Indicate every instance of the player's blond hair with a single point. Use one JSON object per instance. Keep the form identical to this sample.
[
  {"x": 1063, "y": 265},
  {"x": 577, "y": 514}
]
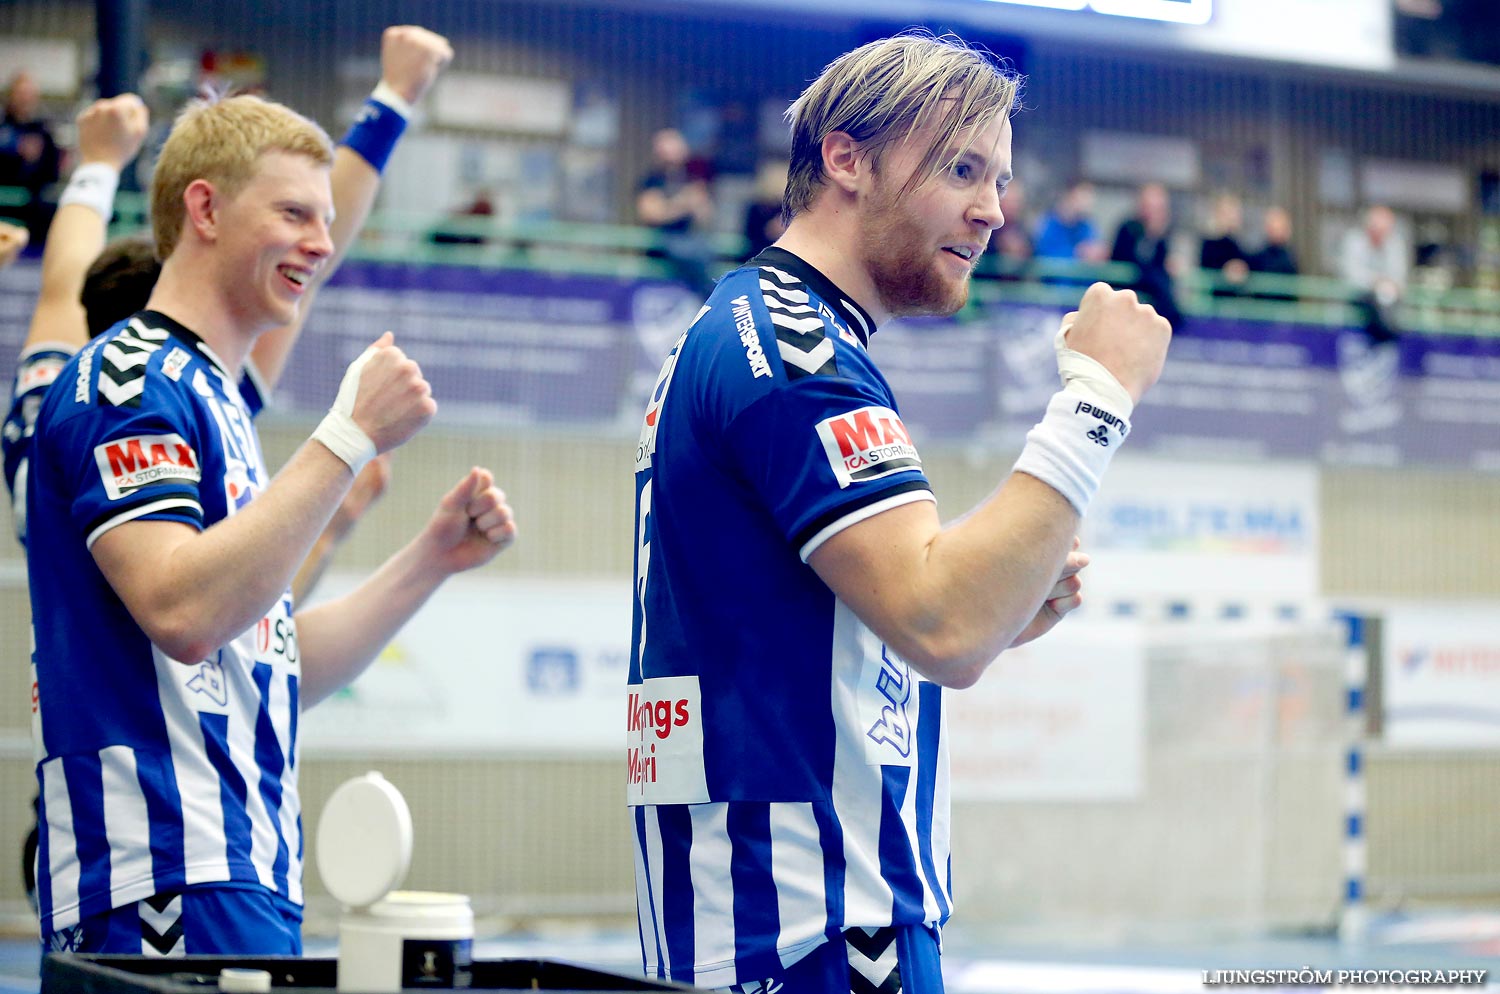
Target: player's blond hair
[
  {"x": 882, "y": 92},
  {"x": 220, "y": 140}
]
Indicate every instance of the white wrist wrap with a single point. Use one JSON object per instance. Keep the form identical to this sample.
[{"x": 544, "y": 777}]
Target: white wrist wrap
[
  {"x": 1086, "y": 376},
  {"x": 386, "y": 94},
  {"x": 93, "y": 186},
  {"x": 1071, "y": 446},
  {"x": 337, "y": 431}
]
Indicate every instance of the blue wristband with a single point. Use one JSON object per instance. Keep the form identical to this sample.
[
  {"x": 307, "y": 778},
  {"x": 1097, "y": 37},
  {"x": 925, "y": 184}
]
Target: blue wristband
[{"x": 375, "y": 132}]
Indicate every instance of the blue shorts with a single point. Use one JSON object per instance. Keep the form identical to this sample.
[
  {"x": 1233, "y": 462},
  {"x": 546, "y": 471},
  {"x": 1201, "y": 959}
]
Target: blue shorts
[
  {"x": 207, "y": 920},
  {"x": 890, "y": 960}
]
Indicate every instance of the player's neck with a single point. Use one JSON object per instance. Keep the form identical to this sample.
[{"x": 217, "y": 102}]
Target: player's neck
[
  {"x": 183, "y": 294},
  {"x": 825, "y": 239}
]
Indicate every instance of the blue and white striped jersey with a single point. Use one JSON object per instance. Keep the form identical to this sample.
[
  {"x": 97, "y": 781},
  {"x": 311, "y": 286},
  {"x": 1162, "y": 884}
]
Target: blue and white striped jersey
[
  {"x": 36, "y": 370},
  {"x": 787, "y": 773},
  {"x": 155, "y": 773}
]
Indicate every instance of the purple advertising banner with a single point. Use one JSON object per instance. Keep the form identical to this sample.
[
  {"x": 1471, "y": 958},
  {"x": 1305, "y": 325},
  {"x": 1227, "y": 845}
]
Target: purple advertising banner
[{"x": 510, "y": 348}]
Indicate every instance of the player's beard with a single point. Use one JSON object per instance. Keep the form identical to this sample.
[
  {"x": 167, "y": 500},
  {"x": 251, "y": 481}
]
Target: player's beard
[{"x": 903, "y": 265}]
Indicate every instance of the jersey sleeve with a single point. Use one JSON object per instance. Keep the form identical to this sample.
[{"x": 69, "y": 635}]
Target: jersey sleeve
[
  {"x": 824, "y": 453},
  {"x": 130, "y": 462},
  {"x": 35, "y": 373}
]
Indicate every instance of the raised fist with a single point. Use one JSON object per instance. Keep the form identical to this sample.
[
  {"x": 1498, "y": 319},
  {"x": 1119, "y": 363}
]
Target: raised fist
[
  {"x": 394, "y": 400},
  {"x": 411, "y": 58},
  {"x": 111, "y": 130},
  {"x": 1128, "y": 338}
]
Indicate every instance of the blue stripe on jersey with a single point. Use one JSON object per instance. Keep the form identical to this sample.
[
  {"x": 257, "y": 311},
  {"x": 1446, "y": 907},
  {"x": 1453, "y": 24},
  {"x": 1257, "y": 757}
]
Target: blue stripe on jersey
[
  {"x": 85, "y": 779},
  {"x": 158, "y": 779},
  {"x": 293, "y": 702},
  {"x": 757, "y": 923},
  {"x": 898, "y": 865},
  {"x": 831, "y": 841},
  {"x": 929, "y": 708},
  {"x": 293, "y": 692},
  {"x": 640, "y": 840},
  {"x": 268, "y": 757},
  {"x": 232, "y": 789},
  {"x": 677, "y": 888}
]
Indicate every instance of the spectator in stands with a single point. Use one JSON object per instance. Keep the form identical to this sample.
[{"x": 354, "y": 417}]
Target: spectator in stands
[
  {"x": 1275, "y": 256},
  {"x": 1375, "y": 261},
  {"x": 763, "y": 220},
  {"x": 1067, "y": 231},
  {"x": 29, "y": 157},
  {"x": 678, "y": 202},
  {"x": 1145, "y": 241},
  {"x": 1221, "y": 253},
  {"x": 482, "y": 204}
]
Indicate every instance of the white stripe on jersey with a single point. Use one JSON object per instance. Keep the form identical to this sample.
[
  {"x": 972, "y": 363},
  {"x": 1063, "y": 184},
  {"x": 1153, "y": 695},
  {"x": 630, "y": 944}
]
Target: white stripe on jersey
[
  {"x": 802, "y": 325},
  {"x": 204, "y": 848},
  {"x": 855, "y": 517},
  {"x": 909, "y": 806},
  {"x": 782, "y": 276},
  {"x": 123, "y": 360},
  {"x": 857, "y": 315},
  {"x": 654, "y": 859},
  {"x": 797, "y": 868},
  {"x": 187, "y": 503},
  {"x": 810, "y": 360},
  {"x": 785, "y": 293},
  {"x": 127, "y": 826},
  {"x": 713, "y": 888},
  {"x": 146, "y": 333},
  {"x": 280, "y": 708},
  {"x": 18, "y": 499},
  {"x": 242, "y": 717},
  {"x": 62, "y": 859},
  {"x": 942, "y": 810},
  {"x": 857, "y": 786},
  {"x": 648, "y": 930}
]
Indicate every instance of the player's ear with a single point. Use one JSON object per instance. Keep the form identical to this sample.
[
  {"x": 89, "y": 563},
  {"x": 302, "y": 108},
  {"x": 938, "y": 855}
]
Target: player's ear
[
  {"x": 844, "y": 162},
  {"x": 202, "y": 202}
]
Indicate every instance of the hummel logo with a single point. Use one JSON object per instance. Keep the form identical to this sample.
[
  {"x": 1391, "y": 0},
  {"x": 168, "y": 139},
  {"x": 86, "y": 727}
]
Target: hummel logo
[
  {"x": 1100, "y": 435},
  {"x": 210, "y": 682}
]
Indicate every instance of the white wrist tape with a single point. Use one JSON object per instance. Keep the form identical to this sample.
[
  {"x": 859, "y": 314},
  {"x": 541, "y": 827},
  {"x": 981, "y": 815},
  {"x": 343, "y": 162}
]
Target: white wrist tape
[
  {"x": 1071, "y": 447},
  {"x": 386, "y": 94},
  {"x": 93, "y": 186},
  {"x": 1087, "y": 377},
  {"x": 337, "y": 431}
]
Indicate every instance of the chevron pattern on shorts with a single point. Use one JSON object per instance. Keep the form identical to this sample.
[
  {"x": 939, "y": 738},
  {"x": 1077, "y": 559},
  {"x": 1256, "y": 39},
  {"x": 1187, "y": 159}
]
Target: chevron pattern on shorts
[
  {"x": 873, "y": 967},
  {"x": 161, "y": 925}
]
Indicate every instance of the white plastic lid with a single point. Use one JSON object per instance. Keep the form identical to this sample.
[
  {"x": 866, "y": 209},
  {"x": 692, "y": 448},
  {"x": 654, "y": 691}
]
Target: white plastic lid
[
  {"x": 243, "y": 981},
  {"x": 364, "y": 840}
]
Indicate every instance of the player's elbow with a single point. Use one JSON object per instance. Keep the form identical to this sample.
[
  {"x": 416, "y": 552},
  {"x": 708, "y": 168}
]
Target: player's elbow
[
  {"x": 178, "y": 637},
  {"x": 947, "y": 658}
]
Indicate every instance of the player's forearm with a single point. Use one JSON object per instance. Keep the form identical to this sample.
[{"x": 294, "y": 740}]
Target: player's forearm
[
  {"x": 218, "y": 583},
  {"x": 963, "y": 593},
  {"x": 341, "y": 638},
  {"x": 74, "y": 240},
  {"x": 355, "y": 184}
]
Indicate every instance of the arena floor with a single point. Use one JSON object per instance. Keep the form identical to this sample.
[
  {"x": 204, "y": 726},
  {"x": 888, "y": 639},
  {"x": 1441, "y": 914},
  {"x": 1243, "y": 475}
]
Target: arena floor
[{"x": 1430, "y": 941}]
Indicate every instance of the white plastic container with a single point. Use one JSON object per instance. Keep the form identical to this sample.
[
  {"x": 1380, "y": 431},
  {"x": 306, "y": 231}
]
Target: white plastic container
[
  {"x": 412, "y": 939},
  {"x": 389, "y": 940}
]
